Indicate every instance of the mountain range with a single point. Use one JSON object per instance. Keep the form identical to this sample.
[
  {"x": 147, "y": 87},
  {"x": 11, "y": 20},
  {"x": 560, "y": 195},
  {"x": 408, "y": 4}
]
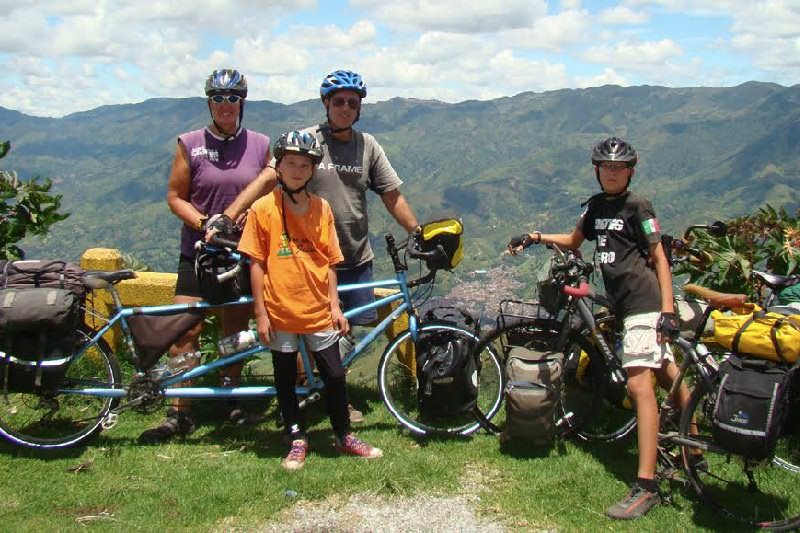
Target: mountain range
[{"x": 503, "y": 165}]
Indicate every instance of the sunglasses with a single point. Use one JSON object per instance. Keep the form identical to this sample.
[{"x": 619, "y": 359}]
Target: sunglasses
[
  {"x": 352, "y": 103},
  {"x": 221, "y": 98},
  {"x": 614, "y": 165}
]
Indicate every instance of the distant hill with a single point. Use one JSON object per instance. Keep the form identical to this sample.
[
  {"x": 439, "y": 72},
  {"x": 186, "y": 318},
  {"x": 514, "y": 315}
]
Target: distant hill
[{"x": 503, "y": 165}]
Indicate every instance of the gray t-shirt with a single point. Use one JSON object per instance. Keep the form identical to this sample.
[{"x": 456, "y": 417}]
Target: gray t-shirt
[{"x": 343, "y": 176}]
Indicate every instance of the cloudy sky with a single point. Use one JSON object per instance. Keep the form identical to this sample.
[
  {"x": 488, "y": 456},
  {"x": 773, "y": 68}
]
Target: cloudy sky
[{"x": 63, "y": 56}]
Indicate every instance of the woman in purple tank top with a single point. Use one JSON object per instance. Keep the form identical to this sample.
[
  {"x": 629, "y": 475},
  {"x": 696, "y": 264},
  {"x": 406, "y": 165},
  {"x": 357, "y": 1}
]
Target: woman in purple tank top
[{"x": 211, "y": 167}]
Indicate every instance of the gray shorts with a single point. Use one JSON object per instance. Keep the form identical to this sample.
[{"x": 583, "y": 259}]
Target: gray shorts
[
  {"x": 288, "y": 342},
  {"x": 640, "y": 344}
]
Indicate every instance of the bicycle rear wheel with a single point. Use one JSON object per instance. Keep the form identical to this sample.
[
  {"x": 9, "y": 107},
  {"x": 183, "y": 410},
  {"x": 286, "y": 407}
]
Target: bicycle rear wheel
[
  {"x": 761, "y": 494},
  {"x": 53, "y": 419},
  {"x": 398, "y": 386}
]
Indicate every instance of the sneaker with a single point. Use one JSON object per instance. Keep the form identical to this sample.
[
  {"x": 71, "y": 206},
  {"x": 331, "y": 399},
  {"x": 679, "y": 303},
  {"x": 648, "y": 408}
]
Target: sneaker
[
  {"x": 356, "y": 416},
  {"x": 297, "y": 455},
  {"x": 352, "y": 445},
  {"x": 634, "y": 505},
  {"x": 176, "y": 424}
]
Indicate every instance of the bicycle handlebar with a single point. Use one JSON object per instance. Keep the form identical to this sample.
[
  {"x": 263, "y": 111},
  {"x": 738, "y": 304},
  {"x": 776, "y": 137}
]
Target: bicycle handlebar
[{"x": 223, "y": 242}]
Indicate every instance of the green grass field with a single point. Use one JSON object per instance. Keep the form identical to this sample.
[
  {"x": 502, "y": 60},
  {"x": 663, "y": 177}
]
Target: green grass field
[{"x": 226, "y": 477}]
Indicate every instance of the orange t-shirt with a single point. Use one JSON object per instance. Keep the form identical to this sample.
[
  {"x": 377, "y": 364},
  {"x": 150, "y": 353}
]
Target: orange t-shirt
[{"x": 296, "y": 271}]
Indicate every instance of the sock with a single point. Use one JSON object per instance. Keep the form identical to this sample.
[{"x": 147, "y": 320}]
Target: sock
[{"x": 649, "y": 485}]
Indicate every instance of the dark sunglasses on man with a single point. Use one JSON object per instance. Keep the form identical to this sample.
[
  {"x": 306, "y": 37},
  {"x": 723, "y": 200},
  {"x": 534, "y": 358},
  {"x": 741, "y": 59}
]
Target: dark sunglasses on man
[{"x": 352, "y": 103}]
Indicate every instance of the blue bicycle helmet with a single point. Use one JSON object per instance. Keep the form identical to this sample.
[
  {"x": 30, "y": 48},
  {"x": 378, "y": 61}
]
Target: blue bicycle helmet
[
  {"x": 342, "y": 80},
  {"x": 228, "y": 81}
]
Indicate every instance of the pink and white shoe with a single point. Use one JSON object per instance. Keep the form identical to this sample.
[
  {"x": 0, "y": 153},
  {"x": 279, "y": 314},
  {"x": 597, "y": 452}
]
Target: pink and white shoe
[
  {"x": 297, "y": 455},
  {"x": 352, "y": 445}
]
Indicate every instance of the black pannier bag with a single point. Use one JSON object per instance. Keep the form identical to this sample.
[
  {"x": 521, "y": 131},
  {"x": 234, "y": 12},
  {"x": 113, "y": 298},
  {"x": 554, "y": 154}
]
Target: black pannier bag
[
  {"x": 154, "y": 334},
  {"x": 447, "y": 374},
  {"x": 42, "y": 273},
  {"x": 751, "y": 406},
  {"x": 37, "y": 336}
]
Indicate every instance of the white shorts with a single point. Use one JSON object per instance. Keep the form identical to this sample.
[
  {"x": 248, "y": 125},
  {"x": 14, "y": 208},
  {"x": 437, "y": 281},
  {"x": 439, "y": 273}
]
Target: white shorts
[
  {"x": 640, "y": 344},
  {"x": 288, "y": 342}
]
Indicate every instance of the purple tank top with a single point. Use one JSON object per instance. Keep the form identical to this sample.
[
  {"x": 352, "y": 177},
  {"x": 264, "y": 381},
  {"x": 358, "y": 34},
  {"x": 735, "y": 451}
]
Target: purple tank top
[{"x": 220, "y": 170}]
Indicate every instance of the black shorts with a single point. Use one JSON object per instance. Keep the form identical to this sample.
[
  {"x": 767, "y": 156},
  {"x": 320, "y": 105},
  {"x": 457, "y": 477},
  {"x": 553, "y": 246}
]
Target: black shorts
[{"x": 187, "y": 284}]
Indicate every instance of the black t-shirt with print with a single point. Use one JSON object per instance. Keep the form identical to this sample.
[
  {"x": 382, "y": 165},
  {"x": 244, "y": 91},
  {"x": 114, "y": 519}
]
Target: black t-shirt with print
[{"x": 623, "y": 227}]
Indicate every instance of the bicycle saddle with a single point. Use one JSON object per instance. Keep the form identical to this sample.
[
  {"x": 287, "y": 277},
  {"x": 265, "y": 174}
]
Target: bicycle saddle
[
  {"x": 100, "y": 279},
  {"x": 714, "y": 298},
  {"x": 775, "y": 281}
]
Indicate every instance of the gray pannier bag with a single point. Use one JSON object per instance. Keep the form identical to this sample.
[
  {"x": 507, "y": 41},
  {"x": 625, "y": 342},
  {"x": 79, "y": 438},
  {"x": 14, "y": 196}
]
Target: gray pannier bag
[
  {"x": 37, "y": 336},
  {"x": 533, "y": 389}
]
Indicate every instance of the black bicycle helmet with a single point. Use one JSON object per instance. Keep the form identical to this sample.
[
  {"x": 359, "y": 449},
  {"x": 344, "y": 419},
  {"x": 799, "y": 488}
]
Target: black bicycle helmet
[
  {"x": 226, "y": 81},
  {"x": 340, "y": 80},
  {"x": 614, "y": 149},
  {"x": 298, "y": 142}
]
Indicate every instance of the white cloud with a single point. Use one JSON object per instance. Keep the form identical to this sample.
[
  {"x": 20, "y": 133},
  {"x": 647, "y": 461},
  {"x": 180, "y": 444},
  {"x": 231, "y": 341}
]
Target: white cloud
[
  {"x": 625, "y": 54},
  {"x": 622, "y": 15},
  {"x": 456, "y": 15},
  {"x": 553, "y": 32},
  {"x": 608, "y": 77}
]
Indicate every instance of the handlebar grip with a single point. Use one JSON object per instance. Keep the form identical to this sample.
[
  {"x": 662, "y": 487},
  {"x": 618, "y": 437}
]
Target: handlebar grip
[
  {"x": 582, "y": 290},
  {"x": 416, "y": 253},
  {"x": 230, "y": 274},
  {"x": 219, "y": 240}
]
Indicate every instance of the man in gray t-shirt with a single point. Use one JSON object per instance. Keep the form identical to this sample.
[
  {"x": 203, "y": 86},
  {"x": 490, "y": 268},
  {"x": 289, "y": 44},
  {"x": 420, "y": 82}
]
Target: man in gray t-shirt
[{"x": 353, "y": 162}]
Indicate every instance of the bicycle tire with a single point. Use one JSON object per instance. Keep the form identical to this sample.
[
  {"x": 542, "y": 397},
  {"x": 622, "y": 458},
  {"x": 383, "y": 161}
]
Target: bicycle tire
[
  {"x": 397, "y": 385},
  {"x": 57, "y": 419},
  {"x": 721, "y": 480},
  {"x": 602, "y": 409}
]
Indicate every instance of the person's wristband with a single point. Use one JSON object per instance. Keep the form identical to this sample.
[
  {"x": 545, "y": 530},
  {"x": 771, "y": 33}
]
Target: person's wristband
[
  {"x": 201, "y": 222},
  {"x": 538, "y": 236}
]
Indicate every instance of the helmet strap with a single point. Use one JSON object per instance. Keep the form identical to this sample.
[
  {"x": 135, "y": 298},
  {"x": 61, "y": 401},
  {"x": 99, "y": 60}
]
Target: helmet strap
[{"x": 291, "y": 192}]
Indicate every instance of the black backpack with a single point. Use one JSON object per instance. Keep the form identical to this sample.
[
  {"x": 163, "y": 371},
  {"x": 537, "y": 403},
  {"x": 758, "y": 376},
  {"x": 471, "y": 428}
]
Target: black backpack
[
  {"x": 751, "y": 406},
  {"x": 447, "y": 374}
]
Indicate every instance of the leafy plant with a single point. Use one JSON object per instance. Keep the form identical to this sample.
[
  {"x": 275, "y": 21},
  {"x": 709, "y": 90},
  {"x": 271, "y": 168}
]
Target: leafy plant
[
  {"x": 26, "y": 208},
  {"x": 767, "y": 240}
]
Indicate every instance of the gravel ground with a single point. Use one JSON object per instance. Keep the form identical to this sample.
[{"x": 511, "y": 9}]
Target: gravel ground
[
  {"x": 363, "y": 513},
  {"x": 390, "y": 514}
]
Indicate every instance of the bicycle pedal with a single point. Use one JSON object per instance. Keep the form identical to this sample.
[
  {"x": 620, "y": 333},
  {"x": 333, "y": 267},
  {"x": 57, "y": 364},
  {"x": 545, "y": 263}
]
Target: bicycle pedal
[{"x": 109, "y": 421}]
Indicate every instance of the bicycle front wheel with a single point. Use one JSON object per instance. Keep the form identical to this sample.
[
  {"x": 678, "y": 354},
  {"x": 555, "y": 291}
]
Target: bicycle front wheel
[
  {"x": 54, "y": 418},
  {"x": 398, "y": 385},
  {"x": 763, "y": 494}
]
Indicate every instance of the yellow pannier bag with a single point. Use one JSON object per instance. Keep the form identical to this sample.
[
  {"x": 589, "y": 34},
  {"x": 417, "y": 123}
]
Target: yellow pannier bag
[
  {"x": 445, "y": 235},
  {"x": 751, "y": 330}
]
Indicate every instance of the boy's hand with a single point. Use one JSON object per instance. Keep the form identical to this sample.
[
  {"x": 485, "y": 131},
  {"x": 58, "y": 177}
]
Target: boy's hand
[
  {"x": 667, "y": 327},
  {"x": 519, "y": 243},
  {"x": 264, "y": 328},
  {"x": 340, "y": 323}
]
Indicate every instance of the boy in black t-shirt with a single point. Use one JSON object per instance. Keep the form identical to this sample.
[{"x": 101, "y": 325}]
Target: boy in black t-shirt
[{"x": 638, "y": 281}]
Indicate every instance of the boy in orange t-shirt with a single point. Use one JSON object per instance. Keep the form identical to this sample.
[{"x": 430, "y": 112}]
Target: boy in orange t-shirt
[{"x": 293, "y": 248}]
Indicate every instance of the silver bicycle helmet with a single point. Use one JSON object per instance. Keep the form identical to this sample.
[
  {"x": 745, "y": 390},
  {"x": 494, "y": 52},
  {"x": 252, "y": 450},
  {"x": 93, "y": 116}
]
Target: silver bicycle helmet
[
  {"x": 227, "y": 81},
  {"x": 298, "y": 142}
]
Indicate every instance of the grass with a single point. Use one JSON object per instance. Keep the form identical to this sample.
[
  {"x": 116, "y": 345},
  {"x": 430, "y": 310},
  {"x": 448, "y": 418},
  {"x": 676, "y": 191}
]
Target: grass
[{"x": 224, "y": 477}]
